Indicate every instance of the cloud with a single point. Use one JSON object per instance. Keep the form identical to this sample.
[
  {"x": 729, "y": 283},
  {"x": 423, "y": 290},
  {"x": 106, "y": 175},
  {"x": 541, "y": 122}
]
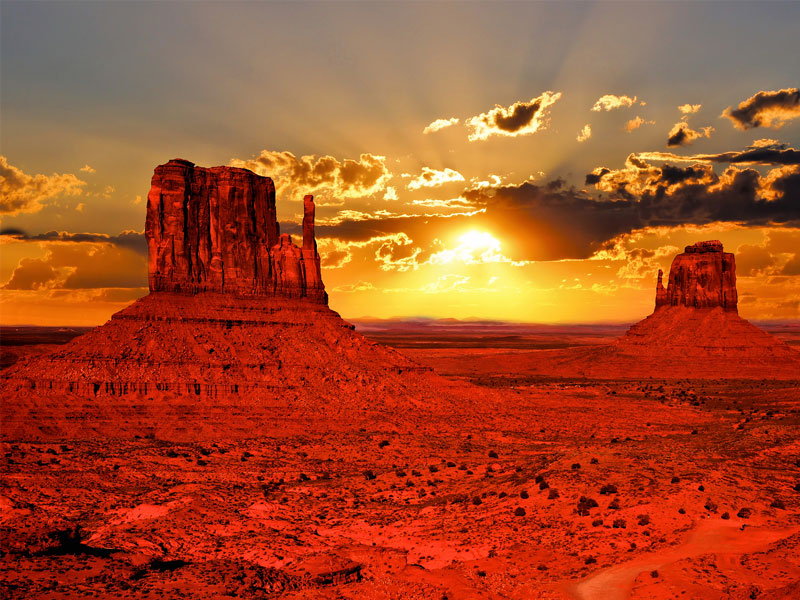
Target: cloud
[
  {"x": 683, "y": 135},
  {"x": 585, "y": 133},
  {"x": 766, "y": 109},
  {"x": 610, "y": 102},
  {"x": 689, "y": 109},
  {"x": 88, "y": 169},
  {"x": 74, "y": 266},
  {"x": 521, "y": 118},
  {"x": 433, "y": 178},
  {"x": 635, "y": 123},
  {"x": 762, "y": 152},
  {"x": 23, "y": 193},
  {"x": 313, "y": 174},
  {"x": 440, "y": 124},
  {"x": 129, "y": 239},
  {"x": 349, "y": 288}
]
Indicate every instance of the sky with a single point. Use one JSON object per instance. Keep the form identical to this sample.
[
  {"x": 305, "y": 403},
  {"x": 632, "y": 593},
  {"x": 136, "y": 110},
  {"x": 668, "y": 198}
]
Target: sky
[{"x": 533, "y": 162}]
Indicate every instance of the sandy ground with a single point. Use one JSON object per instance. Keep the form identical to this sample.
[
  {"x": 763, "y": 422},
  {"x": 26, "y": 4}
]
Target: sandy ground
[{"x": 534, "y": 489}]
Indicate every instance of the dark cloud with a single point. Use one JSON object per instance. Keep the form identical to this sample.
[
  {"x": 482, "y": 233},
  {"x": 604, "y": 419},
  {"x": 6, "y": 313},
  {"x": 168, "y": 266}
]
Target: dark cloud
[
  {"x": 132, "y": 240},
  {"x": 765, "y": 152},
  {"x": 520, "y": 115},
  {"x": 521, "y": 118},
  {"x": 683, "y": 135},
  {"x": 766, "y": 109}
]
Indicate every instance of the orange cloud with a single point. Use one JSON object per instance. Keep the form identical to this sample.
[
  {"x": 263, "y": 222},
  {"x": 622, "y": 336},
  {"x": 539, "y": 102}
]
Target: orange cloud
[
  {"x": 312, "y": 174},
  {"x": 766, "y": 109},
  {"x": 433, "y": 178},
  {"x": 611, "y": 101},
  {"x": 689, "y": 109},
  {"x": 635, "y": 123},
  {"x": 683, "y": 135},
  {"x": 585, "y": 133},
  {"x": 440, "y": 124},
  {"x": 23, "y": 193},
  {"x": 521, "y": 118}
]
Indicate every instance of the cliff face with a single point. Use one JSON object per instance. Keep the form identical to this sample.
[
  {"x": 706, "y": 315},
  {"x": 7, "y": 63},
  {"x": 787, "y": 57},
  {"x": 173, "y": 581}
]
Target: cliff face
[
  {"x": 702, "y": 277},
  {"x": 215, "y": 230}
]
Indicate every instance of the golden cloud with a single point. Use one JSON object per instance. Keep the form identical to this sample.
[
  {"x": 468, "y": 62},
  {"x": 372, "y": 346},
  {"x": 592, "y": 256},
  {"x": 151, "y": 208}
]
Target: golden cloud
[
  {"x": 635, "y": 123},
  {"x": 611, "y": 101},
  {"x": 683, "y": 135},
  {"x": 434, "y": 178},
  {"x": 23, "y": 193},
  {"x": 314, "y": 174},
  {"x": 440, "y": 124},
  {"x": 585, "y": 133},
  {"x": 766, "y": 109},
  {"x": 521, "y": 118}
]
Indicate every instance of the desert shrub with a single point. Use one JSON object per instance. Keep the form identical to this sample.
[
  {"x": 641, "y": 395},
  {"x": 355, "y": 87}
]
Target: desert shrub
[
  {"x": 524, "y": 494},
  {"x": 519, "y": 512},
  {"x": 653, "y": 574},
  {"x": 597, "y": 522},
  {"x": 451, "y": 464},
  {"x": 778, "y": 503},
  {"x": 538, "y": 479},
  {"x": 502, "y": 495},
  {"x": 701, "y": 488},
  {"x": 433, "y": 468},
  {"x": 682, "y": 511},
  {"x": 710, "y": 505},
  {"x": 594, "y": 461},
  {"x": 644, "y": 520},
  {"x": 614, "y": 504},
  {"x": 675, "y": 480},
  {"x": 400, "y": 473},
  {"x": 553, "y": 494},
  {"x": 585, "y": 505},
  {"x": 607, "y": 489},
  {"x": 369, "y": 475},
  {"x": 383, "y": 443},
  {"x": 492, "y": 454},
  {"x": 476, "y": 500},
  {"x": 543, "y": 485},
  {"x": 619, "y": 524},
  {"x": 576, "y": 466},
  {"x": 745, "y": 513},
  {"x": 415, "y": 473},
  {"x": 590, "y": 560},
  {"x": 304, "y": 477},
  {"x": 725, "y": 516}
]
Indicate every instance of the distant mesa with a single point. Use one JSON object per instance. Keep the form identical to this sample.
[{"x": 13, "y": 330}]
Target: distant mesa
[{"x": 215, "y": 230}]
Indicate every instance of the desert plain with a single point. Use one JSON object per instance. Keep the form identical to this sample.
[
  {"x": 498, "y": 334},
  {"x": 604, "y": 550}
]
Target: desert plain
[{"x": 503, "y": 484}]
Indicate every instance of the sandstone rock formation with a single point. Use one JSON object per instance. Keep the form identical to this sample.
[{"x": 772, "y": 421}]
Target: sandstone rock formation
[
  {"x": 702, "y": 277},
  {"x": 695, "y": 331},
  {"x": 237, "y": 316},
  {"x": 215, "y": 230}
]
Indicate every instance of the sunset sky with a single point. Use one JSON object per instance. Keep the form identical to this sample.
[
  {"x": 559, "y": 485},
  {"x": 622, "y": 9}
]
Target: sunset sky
[{"x": 525, "y": 161}]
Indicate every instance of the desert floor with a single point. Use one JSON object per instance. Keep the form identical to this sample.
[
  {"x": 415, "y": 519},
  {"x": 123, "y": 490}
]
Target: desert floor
[{"x": 539, "y": 488}]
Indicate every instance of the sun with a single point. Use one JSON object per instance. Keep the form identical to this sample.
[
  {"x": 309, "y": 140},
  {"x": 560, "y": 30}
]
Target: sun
[{"x": 475, "y": 241}]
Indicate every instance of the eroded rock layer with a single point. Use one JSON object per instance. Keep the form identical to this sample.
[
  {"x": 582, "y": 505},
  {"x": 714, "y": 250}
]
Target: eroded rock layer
[{"x": 215, "y": 230}]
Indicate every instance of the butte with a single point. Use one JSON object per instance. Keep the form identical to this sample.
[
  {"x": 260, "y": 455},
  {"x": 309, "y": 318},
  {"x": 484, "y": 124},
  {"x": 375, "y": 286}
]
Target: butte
[
  {"x": 235, "y": 335},
  {"x": 695, "y": 331}
]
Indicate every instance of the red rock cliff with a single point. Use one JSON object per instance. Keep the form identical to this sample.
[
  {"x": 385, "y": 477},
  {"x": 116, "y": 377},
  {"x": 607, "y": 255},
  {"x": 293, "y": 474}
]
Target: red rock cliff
[
  {"x": 702, "y": 277},
  {"x": 215, "y": 230}
]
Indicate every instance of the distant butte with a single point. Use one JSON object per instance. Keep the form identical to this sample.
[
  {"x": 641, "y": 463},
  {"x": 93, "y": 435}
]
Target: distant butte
[
  {"x": 702, "y": 277},
  {"x": 695, "y": 331}
]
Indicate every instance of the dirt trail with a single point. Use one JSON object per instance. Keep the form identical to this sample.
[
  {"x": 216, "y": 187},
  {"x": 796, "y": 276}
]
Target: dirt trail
[{"x": 709, "y": 536}]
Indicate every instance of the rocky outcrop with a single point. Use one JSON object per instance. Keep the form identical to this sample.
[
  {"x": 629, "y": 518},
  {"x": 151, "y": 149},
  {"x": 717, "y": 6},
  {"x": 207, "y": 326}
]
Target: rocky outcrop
[
  {"x": 704, "y": 276},
  {"x": 215, "y": 230}
]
